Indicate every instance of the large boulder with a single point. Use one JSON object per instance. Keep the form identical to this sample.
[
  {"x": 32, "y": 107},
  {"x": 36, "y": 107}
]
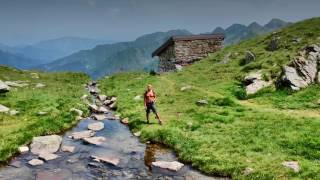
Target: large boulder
[
  {"x": 249, "y": 57},
  {"x": 254, "y": 83},
  {"x": 45, "y": 144},
  {"x": 302, "y": 71},
  {"x": 4, "y": 87}
]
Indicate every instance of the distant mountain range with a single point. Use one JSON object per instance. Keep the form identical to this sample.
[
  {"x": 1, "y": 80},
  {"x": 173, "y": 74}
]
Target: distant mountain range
[
  {"x": 108, "y": 59},
  {"x": 75, "y": 54},
  {"x": 238, "y": 32},
  {"x": 49, "y": 50}
]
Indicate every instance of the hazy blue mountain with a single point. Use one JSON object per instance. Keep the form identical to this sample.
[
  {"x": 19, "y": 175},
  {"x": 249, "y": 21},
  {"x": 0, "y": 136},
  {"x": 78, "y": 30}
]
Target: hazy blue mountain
[
  {"x": 9, "y": 59},
  {"x": 239, "y": 32},
  {"x": 111, "y": 58},
  {"x": 50, "y": 50}
]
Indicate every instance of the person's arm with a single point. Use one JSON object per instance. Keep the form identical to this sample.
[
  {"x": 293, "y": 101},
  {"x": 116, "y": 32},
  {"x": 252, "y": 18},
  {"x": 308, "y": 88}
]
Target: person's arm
[
  {"x": 155, "y": 96},
  {"x": 145, "y": 100}
]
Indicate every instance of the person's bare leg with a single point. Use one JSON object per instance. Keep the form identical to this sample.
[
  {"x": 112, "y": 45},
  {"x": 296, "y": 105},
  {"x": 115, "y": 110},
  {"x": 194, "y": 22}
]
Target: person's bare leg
[
  {"x": 158, "y": 117},
  {"x": 147, "y": 115}
]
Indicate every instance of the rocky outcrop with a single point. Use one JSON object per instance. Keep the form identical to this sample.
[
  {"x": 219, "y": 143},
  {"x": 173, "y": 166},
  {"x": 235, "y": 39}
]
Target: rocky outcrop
[
  {"x": 254, "y": 83},
  {"x": 45, "y": 144},
  {"x": 249, "y": 57},
  {"x": 4, "y": 87},
  {"x": 302, "y": 71}
]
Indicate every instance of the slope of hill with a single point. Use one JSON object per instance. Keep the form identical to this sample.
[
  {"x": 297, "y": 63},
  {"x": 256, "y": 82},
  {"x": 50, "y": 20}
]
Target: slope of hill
[
  {"x": 238, "y": 32},
  {"x": 17, "y": 61},
  {"x": 242, "y": 139},
  {"x": 53, "y": 49},
  {"x": 62, "y": 91},
  {"x": 108, "y": 59}
]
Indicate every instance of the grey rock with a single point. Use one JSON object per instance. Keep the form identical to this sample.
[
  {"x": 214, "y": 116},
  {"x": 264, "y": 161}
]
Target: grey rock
[
  {"x": 249, "y": 57},
  {"x": 294, "y": 165},
  {"x": 79, "y": 112},
  {"x": 16, "y": 164},
  {"x": 66, "y": 148},
  {"x": 47, "y": 156},
  {"x": 137, "y": 98},
  {"x": 94, "y": 140},
  {"x": 23, "y": 149},
  {"x": 173, "y": 166},
  {"x": 42, "y": 113},
  {"x": 106, "y": 159},
  {"x": 102, "y": 97},
  {"x": 34, "y": 75},
  {"x": 273, "y": 44},
  {"x": 45, "y": 144},
  {"x": 82, "y": 134},
  {"x": 13, "y": 112},
  {"x": 96, "y": 126},
  {"x": 40, "y": 85},
  {"x": 35, "y": 162},
  {"x": 4, "y": 109},
  {"x": 202, "y": 102},
  {"x": 99, "y": 117},
  {"x": 4, "y": 87},
  {"x": 185, "y": 88},
  {"x": 125, "y": 121},
  {"x": 254, "y": 82},
  {"x": 15, "y": 84},
  {"x": 248, "y": 171}
]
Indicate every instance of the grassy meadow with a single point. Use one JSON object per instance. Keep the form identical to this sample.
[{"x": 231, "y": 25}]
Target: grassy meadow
[
  {"x": 61, "y": 93},
  {"x": 233, "y": 132}
]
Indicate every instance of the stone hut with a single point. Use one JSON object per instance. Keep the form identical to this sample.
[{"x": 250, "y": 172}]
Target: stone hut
[{"x": 179, "y": 51}]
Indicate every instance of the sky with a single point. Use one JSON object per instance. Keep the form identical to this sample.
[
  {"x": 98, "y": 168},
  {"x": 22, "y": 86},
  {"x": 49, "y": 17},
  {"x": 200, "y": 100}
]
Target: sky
[{"x": 30, "y": 21}]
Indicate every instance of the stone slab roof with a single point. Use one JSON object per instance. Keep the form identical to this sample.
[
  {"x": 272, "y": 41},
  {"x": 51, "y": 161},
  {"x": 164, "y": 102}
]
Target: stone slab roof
[{"x": 173, "y": 39}]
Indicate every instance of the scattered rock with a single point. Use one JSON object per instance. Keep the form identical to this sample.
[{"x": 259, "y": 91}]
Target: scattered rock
[
  {"x": 95, "y": 140},
  {"x": 23, "y": 149},
  {"x": 79, "y": 112},
  {"x": 185, "y": 88},
  {"x": 294, "y": 165},
  {"x": 125, "y": 121},
  {"x": 47, "y": 156},
  {"x": 273, "y": 44},
  {"x": 137, "y": 98},
  {"x": 248, "y": 171},
  {"x": 4, "y": 87},
  {"x": 113, "y": 99},
  {"x": 99, "y": 117},
  {"x": 13, "y": 112},
  {"x": 16, "y": 164},
  {"x": 40, "y": 85},
  {"x": 254, "y": 83},
  {"x": 35, "y": 162},
  {"x": 202, "y": 102},
  {"x": 226, "y": 58},
  {"x": 82, "y": 134},
  {"x": 113, "y": 106},
  {"x": 95, "y": 109},
  {"x": 42, "y": 113},
  {"x": 107, "y": 102},
  {"x": 34, "y": 75},
  {"x": 106, "y": 159},
  {"x": 249, "y": 57},
  {"x": 4, "y": 109},
  {"x": 96, "y": 126},
  {"x": 173, "y": 166},
  {"x": 137, "y": 134},
  {"x": 15, "y": 84},
  {"x": 45, "y": 144},
  {"x": 70, "y": 149},
  {"x": 102, "y": 97}
]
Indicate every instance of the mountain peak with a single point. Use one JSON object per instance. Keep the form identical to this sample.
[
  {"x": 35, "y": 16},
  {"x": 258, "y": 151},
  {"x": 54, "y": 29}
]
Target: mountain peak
[{"x": 276, "y": 23}]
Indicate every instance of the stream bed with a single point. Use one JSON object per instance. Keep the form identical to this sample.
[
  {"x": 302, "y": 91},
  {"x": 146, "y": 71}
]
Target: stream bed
[{"x": 135, "y": 159}]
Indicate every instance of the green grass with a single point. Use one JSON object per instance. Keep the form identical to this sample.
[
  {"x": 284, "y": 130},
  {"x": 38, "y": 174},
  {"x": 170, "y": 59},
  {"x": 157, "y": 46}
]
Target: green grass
[
  {"x": 62, "y": 92},
  {"x": 230, "y": 134}
]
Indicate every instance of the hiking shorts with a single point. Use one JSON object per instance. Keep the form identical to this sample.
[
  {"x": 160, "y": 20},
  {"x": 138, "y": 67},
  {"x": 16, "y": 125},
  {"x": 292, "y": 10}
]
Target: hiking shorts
[{"x": 151, "y": 107}]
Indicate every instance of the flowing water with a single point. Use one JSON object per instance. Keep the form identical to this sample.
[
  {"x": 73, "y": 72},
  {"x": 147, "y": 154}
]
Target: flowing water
[{"x": 135, "y": 159}]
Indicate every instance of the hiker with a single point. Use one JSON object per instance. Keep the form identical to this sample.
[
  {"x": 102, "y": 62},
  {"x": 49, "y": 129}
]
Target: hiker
[{"x": 149, "y": 103}]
